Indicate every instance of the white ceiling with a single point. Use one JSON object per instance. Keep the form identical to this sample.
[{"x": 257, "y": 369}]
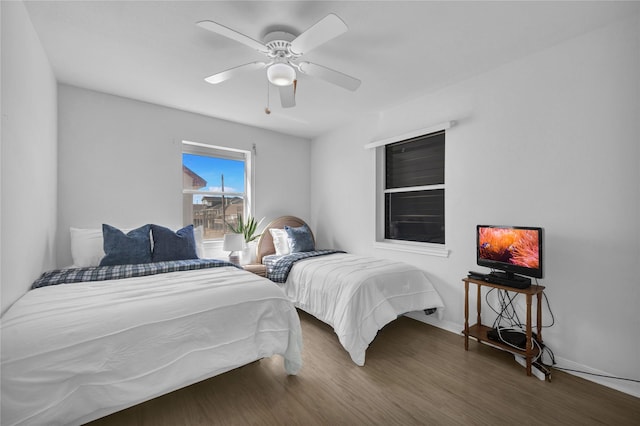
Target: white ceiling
[{"x": 153, "y": 51}]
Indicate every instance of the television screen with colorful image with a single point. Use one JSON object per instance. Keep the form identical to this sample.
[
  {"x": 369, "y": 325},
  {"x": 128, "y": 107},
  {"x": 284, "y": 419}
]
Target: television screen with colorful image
[{"x": 513, "y": 249}]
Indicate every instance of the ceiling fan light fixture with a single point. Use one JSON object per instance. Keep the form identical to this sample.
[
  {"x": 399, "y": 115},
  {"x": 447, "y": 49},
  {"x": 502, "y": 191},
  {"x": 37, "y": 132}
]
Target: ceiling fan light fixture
[{"x": 281, "y": 74}]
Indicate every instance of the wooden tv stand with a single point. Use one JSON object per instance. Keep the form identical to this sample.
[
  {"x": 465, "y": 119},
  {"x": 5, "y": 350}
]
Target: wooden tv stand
[{"x": 479, "y": 331}]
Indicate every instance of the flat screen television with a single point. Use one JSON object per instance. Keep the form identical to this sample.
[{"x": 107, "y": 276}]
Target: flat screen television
[{"x": 510, "y": 251}]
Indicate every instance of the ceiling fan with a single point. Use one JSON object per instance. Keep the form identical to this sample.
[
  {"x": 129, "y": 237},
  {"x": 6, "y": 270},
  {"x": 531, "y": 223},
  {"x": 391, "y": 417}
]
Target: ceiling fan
[{"x": 283, "y": 51}]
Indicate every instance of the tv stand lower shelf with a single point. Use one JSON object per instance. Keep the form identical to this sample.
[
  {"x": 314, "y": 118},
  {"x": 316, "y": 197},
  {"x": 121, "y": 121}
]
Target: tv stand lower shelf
[{"x": 480, "y": 332}]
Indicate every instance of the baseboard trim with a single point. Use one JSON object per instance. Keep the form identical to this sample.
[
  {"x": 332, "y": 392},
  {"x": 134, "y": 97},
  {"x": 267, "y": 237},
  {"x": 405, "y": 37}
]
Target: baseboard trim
[
  {"x": 631, "y": 388},
  {"x": 434, "y": 321}
]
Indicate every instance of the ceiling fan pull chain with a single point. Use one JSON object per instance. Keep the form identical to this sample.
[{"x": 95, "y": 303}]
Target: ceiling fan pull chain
[{"x": 267, "y": 110}]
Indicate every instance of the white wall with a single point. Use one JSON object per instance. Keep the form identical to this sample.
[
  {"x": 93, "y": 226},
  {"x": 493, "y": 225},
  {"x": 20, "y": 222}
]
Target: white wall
[
  {"x": 552, "y": 141},
  {"x": 120, "y": 163},
  {"x": 29, "y": 157}
]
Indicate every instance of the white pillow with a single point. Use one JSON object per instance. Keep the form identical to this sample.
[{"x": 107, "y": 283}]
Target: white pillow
[
  {"x": 198, "y": 235},
  {"x": 86, "y": 247},
  {"x": 280, "y": 241}
]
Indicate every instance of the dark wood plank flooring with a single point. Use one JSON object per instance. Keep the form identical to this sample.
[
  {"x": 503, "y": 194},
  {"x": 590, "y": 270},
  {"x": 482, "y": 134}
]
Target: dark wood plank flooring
[{"x": 415, "y": 374}]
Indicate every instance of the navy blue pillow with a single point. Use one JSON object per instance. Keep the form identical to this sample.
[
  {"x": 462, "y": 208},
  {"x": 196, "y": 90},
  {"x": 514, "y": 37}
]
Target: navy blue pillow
[
  {"x": 126, "y": 249},
  {"x": 169, "y": 245},
  {"x": 300, "y": 239}
]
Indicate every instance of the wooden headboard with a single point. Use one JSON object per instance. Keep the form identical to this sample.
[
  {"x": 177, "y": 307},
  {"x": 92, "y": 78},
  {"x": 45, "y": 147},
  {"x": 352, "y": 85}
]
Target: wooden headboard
[{"x": 265, "y": 242}]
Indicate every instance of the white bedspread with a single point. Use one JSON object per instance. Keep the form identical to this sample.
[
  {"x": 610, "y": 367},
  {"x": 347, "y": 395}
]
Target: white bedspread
[
  {"x": 358, "y": 296},
  {"x": 72, "y": 353}
]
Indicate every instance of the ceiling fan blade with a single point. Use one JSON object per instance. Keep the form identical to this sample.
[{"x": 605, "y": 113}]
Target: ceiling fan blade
[
  {"x": 233, "y": 35},
  {"x": 288, "y": 95},
  {"x": 332, "y": 76},
  {"x": 232, "y": 72},
  {"x": 321, "y": 32}
]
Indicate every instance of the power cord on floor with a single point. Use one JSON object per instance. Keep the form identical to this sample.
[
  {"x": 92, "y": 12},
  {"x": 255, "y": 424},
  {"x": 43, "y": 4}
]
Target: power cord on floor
[
  {"x": 546, "y": 350},
  {"x": 507, "y": 320},
  {"x": 595, "y": 374}
]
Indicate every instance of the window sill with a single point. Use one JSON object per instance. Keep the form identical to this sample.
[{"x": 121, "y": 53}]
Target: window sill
[
  {"x": 428, "y": 249},
  {"x": 212, "y": 249}
]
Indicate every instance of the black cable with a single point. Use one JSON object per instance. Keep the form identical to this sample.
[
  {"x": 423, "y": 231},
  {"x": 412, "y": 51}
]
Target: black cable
[
  {"x": 501, "y": 305},
  {"x": 513, "y": 317},
  {"x": 546, "y": 299},
  {"x": 595, "y": 374},
  {"x": 547, "y": 350},
  {"x": 486, "y": 299},
  {"x": 508, "y": 312},
  {"x": 514, "y": 314},
  {"x": 551, "y": 356}
]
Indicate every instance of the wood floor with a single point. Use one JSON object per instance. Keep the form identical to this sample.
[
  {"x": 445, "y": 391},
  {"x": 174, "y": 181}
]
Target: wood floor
[{"x": 415, "y": 374}]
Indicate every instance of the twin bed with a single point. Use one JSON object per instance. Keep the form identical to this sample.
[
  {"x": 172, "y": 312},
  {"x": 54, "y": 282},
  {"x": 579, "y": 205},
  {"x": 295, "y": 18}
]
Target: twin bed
[
  {"x": 72, "y": 353},
  {"x": 355, "y": 295}
]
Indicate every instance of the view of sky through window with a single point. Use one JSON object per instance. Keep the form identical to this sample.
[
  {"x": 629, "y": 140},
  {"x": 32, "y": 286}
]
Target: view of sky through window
[{"x": 211, "y": 169}]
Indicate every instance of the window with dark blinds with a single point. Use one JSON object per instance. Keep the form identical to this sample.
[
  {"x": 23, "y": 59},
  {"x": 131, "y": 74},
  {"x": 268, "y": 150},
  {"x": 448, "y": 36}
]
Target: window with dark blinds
[{"x": 414, "y": 189}]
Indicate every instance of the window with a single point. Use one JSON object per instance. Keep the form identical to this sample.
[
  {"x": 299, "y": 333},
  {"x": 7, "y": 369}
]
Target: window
[
  {"x": 215, "y": 187},
  {"x": 414, "y": 189},
  {"x": 410, "y": 191}
]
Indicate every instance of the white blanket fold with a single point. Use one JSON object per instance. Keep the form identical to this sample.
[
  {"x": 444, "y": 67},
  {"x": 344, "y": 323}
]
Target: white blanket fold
[{"x": 358, "y": 295}]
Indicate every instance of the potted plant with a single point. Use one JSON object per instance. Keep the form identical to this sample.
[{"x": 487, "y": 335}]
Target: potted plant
[{"x": 248, "y": 228}]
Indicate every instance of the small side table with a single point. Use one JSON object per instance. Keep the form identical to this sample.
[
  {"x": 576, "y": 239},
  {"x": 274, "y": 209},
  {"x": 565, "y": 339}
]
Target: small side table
[
  {"x": 256, "y": 268},
  {"x": 479, "y": 331}
]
